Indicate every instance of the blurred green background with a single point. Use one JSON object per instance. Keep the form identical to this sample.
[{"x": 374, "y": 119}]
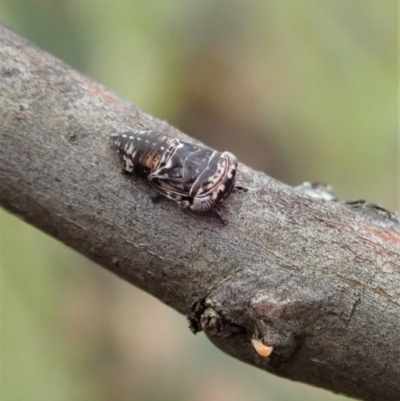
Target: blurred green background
[{"x": 304, "y": 90}]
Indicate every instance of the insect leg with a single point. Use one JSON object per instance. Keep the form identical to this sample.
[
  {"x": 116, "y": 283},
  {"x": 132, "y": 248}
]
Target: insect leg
[
  {"x": 181, "y": 200},
  {"x": 218, "y": 212},
  {"x": 157, "y": 198}
]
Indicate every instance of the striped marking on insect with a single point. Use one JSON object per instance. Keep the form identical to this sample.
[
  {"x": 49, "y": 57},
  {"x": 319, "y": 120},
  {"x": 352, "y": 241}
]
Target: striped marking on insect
[{"x": 193, "y": 176}]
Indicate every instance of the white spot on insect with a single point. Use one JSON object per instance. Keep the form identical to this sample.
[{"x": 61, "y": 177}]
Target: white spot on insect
[
  {"x": 261, "y": 349},
  {"x": 162, "y": 148},
  {"x": 130, "y": 149},
  {"x": 146, "y": 140},
  {"x": 138, "y": 139},
  {"x": 124, "y": 135},
  {"x": 129, "y": 165},
  {"x": 131, "y": 137},
  {"x": 183, "y": 203}
]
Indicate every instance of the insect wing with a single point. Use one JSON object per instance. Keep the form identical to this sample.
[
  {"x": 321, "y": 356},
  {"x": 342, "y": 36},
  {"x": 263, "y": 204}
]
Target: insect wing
[{"x": 179, "y": 170}]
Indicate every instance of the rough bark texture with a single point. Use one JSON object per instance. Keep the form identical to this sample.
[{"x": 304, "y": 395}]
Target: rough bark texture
[{"x": 317, "y": 280}]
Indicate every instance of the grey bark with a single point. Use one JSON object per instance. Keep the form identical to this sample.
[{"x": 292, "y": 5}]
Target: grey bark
[{"x": 317, "y": 280}]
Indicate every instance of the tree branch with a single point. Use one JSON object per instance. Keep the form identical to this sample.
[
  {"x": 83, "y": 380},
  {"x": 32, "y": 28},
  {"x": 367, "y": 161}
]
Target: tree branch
[{"x": 318, "y": 281}]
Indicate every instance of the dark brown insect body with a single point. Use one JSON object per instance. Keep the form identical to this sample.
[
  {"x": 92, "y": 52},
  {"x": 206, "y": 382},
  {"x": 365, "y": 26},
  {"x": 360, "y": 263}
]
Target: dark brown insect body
[{"x": 193, "y": 176}]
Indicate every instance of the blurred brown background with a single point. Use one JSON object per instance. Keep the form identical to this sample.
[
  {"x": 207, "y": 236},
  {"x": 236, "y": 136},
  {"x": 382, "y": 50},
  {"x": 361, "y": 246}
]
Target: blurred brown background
[{"x": 303, "y": 90}]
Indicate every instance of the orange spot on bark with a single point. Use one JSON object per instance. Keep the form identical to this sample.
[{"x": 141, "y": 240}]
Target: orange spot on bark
[
  {"x": 387, "y": 236},
  {"x": 261, "y": 349}
]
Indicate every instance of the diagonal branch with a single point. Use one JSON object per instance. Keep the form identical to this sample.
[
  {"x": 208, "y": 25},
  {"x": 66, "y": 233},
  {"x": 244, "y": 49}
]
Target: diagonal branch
[{"x": 318, "y": 281}]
